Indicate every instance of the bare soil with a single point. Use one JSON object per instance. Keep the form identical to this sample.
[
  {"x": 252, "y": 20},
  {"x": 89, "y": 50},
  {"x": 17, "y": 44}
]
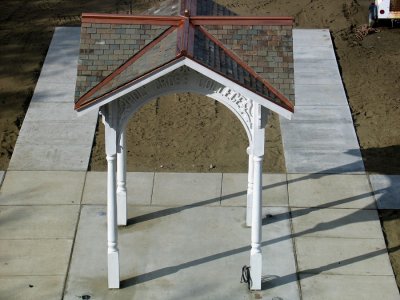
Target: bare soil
[{"x": 191, "y": 133}]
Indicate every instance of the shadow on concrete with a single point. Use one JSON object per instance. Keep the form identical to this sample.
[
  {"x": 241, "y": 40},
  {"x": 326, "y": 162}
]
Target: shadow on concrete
[
  {"x": 268, "y": 282},
  {"x": 271, "y": 281},
  {"x": 274, "y": 280}
]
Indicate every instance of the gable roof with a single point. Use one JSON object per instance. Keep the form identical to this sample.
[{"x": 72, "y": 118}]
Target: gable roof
[{"x": 117, "y": 50}]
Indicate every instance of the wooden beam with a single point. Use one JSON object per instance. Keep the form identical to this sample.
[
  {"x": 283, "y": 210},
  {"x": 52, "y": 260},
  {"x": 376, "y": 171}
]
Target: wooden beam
[
  {"x": 215, "y": 20},
  {"x": 130, "y": 19}
]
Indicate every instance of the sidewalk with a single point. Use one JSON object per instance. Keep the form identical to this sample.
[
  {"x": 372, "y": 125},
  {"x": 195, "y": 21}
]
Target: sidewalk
[{"x": 186, "y": 234}]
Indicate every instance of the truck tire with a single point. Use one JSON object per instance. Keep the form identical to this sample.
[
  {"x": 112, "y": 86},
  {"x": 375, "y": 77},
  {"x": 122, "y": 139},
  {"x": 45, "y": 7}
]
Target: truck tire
[
  {"x": 371, "y": 20},
  {"x": 372, "y": 15}
]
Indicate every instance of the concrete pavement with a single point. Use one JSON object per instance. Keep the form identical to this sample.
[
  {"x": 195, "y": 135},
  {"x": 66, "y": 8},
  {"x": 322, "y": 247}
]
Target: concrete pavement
[
  {"x": 194, "y": 247},
  {"x": 52, "y": 137},
  {"x": 321, "y": 137}
]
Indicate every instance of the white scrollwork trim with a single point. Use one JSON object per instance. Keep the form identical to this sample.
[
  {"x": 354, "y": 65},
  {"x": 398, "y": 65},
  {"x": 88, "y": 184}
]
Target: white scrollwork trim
[{"x": 185, "y": 79}]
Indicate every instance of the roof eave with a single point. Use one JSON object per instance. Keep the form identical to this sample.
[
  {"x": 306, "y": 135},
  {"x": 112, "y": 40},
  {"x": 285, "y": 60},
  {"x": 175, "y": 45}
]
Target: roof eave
[
  {"x": 130, "y": 86},
  {"x": 285, "y": 112}
]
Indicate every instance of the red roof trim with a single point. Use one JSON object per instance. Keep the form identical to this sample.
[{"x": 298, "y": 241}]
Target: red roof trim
[
  {"x": 175, "y": 21},
  {"x": 217, "y": 20},
  {"x": 129, "y": 19},
  {"x": 119, "y": 70},
  {"x": 248, "y": 69}
]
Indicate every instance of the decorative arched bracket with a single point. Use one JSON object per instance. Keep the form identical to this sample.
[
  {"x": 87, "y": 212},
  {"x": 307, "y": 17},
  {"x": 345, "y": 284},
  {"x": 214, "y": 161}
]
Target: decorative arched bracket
[{"x": 185, "y": 79}]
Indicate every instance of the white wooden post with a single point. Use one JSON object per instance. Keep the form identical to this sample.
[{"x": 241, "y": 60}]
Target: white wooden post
[
  {"x": 258, "y": 132},
  {"x": 250, "y": 181},
  {"x": 256, "y": 236},
  {"x": 121, "y": 180},
  {"x": 109, "y": 120}
]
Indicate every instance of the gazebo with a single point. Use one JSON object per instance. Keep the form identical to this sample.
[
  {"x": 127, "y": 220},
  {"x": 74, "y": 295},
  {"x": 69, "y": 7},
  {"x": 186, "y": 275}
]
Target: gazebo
[{"x": 125, "y": 61}]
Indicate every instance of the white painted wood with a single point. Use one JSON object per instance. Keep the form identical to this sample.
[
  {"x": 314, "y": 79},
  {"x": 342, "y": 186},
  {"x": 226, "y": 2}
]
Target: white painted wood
[
  {"x": 259, "y": 122},
  {"x": 109, "y": 119},
  {"x": 250, "y": 181},
  {"x": 184, "y": 75},
  {"x": 121, "y": 181},
  {"x": 255, "y": 253},
  {"x": 185, "y": 79},
  {"x": 112, "y": 234},
  {"x": 257, "y": 153}
]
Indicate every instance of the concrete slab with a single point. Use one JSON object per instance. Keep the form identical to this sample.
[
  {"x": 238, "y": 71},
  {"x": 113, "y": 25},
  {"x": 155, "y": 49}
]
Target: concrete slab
[
  {"x": 319, "y": 135},
  {"x": 342, "y": 256},
  {"x": 312, "y": 37},
  {"x": 139, "y": 188},
  {"x": 386, "y": 189},
  {"x": 307, "y": 53},
  {"x": 53, "y": 137},
  {"x": 320, "y": 67},
  {"x": 54, "y": 92},
  {"x": 343, "y": 287},
  {"x": 44, "y": 112},
  {"x": 340, "y": 223},
  {"x": 187, "y": 189},
  {"x": 167, "y": 249},
  {"x": 334, "y": 191},
  {"x": 338, "y": 161},
  {"x": 58, "y": 54},
  {"x": 2, "y": 174},
  {"x": 64, "y": 48},
  {"x": 234, "y": 190},
  {"x": 60, "y": 64},
  {"x": 319, "y": 76},
  {"x": 57, "y": 71},
  {"x": 31, "y": 287},
  {"x": 35, "y": 222},
  {"x": 65, "y": 37},
  {"x": 35, "y": 257},
  {"x": 42, "y": 188},
  {"x": 320, "y": 95},
  {"x": 28, "y": 157},
  {"x": 56, "y": 133},
  {"x": 321, "y": 114}
]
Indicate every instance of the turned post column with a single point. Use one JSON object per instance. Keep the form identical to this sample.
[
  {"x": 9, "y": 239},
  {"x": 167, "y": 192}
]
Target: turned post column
[
  {"x": 250, "y": 181},
  {"x": 109, "y": 120},
  {"x": 121, "y": 180},
  {"x": 256, "y": 224},
  {"x": 257, "y": 152}
]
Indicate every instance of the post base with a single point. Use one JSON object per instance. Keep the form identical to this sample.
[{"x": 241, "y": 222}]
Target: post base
[
  {"x": 113, "y": 270},
  {"x": 255, "y": 271},
  {"x": 122, "y": 214}
]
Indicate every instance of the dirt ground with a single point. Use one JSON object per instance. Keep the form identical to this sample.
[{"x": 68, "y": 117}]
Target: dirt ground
[{"x": 189, "y": 133}]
